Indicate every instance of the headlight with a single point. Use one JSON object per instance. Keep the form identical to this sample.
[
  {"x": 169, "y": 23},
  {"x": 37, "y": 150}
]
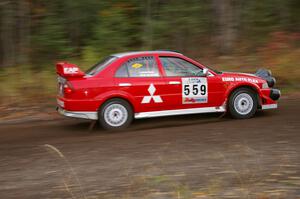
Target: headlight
[{"x": 265, "y": 85}]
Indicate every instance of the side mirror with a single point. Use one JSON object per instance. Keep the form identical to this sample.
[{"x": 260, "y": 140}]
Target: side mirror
[{"x": 205, "y": 72}]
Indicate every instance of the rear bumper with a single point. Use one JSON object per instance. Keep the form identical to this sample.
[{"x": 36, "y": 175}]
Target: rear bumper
[
  {"x": 85, "y": 109},
  {"x": 78, "y": 114},
  {"x": 76, "y": 105}
]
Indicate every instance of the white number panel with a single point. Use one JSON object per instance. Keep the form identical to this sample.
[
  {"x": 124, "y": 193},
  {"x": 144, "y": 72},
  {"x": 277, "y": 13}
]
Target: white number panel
[{"x": 194, "y": 90}]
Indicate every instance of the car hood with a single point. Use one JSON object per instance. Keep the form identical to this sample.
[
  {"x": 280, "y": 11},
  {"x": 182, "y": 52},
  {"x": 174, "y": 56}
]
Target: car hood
[
  {"x": 241, "y": 77},
  {"x": 238, "y": 74},
  {"x": 261, "y": 76}
]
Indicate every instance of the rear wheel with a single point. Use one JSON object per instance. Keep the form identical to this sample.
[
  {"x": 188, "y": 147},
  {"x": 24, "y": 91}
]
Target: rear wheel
[
  {"x": 243, "y": 103},
  {"x": 115, "y": 114}
]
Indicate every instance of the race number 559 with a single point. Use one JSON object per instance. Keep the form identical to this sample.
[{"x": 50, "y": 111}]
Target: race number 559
[{"x": 194, "y": 90}]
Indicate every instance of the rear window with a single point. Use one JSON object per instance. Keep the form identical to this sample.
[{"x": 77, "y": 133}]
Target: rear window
[
  {"x": 139, "y": 67},
  {"x": 100, "y": 65}
]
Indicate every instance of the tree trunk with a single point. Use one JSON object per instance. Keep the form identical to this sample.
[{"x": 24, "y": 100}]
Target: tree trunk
[
  {"x": 8, "y": 47},
  {"x": 226, "y": 21},
  {"x": 23, "y": 30}
]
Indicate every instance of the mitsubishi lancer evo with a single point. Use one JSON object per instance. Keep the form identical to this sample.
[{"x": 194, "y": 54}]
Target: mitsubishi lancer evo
[{"x": 145, "y": 84}]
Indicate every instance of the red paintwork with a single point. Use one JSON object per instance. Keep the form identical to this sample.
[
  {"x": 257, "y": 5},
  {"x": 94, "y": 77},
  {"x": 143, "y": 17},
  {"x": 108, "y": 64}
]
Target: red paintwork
[{"x": 89, "y": 93}]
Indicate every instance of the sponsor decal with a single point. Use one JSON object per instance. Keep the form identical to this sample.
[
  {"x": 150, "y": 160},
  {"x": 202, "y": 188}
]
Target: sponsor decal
[
  {"x": 147, "y": 73},
  {"x": 136, "y": 65},
  {"x": 194, "y": 90},
  {"x": 156, "y": 98},
  {"x": 72, "y": 70},
  {"x": 239, "y": 79}
]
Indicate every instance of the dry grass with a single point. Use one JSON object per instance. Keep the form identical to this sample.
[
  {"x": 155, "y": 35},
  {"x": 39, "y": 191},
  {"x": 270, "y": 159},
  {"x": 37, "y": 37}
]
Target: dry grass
[
  {"x": 154, "y": 183},
  {"x": 71, "y": 181}
]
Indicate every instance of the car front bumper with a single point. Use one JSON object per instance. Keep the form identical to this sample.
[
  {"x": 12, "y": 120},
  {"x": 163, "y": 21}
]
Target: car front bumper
[
  {"x": 269, "y": 98},
  {"x": 269, "y": 106},
  {"x": 275, "y": 94}
]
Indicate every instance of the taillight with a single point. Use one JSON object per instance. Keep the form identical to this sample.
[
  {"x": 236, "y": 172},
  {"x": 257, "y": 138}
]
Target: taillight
[{"x": 68, "y": 88}]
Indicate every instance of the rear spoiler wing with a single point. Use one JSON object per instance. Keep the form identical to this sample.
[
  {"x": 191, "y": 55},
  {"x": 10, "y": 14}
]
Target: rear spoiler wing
[{"x": 68, "y": 70}]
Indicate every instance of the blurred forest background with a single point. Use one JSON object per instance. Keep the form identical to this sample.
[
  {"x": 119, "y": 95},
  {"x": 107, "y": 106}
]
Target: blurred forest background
[{"x": 235, "y": 35}]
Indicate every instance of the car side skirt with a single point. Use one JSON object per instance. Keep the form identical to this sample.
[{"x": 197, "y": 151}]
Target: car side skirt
[
  {"x": 94, "y": 115},
  {"x": 179, "y": 112}
]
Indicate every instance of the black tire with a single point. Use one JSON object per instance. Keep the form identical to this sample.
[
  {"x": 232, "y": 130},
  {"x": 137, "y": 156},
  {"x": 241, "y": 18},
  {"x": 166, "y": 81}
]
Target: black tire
[
  {"x": 107, "y": 108},
  {"x": 236, "y": 106}
]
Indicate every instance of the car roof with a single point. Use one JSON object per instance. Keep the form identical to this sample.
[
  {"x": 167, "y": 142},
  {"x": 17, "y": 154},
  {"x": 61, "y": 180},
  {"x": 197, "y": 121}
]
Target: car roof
[{"x": 124, "y": 54}]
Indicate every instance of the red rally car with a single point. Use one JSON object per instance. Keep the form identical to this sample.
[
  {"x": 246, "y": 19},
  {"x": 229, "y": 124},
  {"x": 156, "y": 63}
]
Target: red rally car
[{"x": 147, "y": 84}]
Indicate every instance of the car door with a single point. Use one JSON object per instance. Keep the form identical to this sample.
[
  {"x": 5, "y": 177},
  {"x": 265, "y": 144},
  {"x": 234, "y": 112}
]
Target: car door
[
  {"x": 141, "y": 78},
  {"x": 187, "y": 87}
]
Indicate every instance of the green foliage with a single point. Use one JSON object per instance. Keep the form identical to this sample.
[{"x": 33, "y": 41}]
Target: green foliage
[
  {"x": 174, "y": 25},
  {"x": 112, "y": 32},
  {"x": 75, "y": 28},
  {"x": 50, "y": 39}
]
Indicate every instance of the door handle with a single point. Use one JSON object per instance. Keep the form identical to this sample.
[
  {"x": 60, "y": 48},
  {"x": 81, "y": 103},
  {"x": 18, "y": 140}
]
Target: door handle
[
  {"x": 174, "y": 82},
  {"x": 124, "y": 84}
]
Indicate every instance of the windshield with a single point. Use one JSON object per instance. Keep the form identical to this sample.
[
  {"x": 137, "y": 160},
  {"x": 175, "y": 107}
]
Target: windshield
[
  {"x": 216, "y": 71},
  {"x": 212, "y": 69},
  {"x": 100, "y": 65}
]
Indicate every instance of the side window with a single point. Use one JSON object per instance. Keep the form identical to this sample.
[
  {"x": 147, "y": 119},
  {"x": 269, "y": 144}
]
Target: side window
[
  {"x": 139, "y": 67},
  {"x": 177, "y": 67},
  {"x": 122, "y": 71}
]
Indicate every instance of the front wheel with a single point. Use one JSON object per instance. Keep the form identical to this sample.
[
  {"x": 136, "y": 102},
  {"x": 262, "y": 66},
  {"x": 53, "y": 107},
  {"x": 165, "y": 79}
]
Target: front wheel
[
  {"x": 243, "y": 103},
  {"x": 115, "y": 114}
]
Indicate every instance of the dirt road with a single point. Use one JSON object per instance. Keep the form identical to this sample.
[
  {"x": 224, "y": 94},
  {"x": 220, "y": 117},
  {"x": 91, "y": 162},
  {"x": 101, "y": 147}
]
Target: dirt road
[{"x": 197, "y": 156}]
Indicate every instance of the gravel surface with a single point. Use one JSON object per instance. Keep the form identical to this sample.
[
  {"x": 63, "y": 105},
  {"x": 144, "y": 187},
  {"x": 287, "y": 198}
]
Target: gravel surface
[{"x": 195, "y": 156}]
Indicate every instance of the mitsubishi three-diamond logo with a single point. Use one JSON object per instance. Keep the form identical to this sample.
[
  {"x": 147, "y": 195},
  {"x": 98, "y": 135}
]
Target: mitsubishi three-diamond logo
[{"x": 156, "y": 98}]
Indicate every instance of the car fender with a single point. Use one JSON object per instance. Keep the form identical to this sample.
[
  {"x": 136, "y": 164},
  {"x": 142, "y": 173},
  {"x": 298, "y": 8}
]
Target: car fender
[
  {"x": 103, "y": 97},
  {"x": 232, "y": 86}
]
